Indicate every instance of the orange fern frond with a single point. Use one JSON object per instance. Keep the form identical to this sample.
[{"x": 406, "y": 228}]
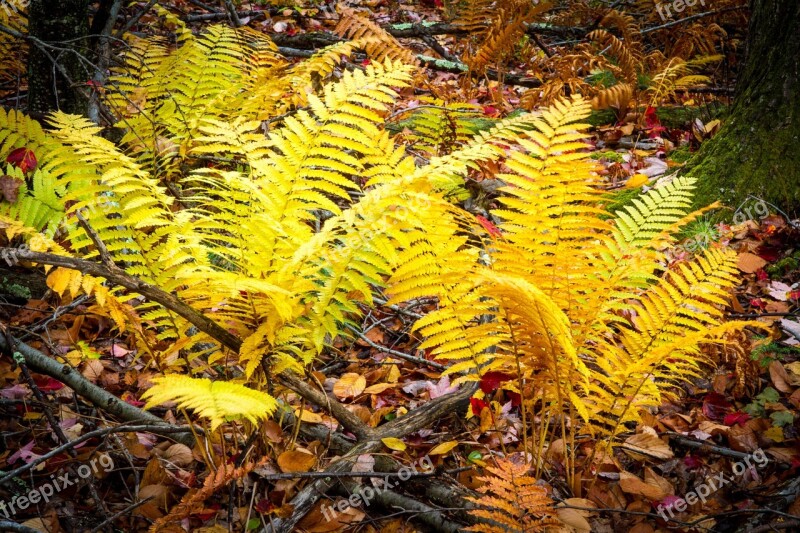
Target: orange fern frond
[
  {"x": 193, "y": 500},
  {"x": 619, "y": 97},
  {"x": 628, "y": 60},
  {"x": 379, "y": 43},
  {"x": 512, "y": 501}
]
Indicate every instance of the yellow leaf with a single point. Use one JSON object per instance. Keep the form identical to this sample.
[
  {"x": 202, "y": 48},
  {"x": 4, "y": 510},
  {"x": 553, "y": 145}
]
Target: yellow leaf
[
  {"x": 308, "y": 416},
  {"x": 394, "y": 374},
  {"x": 774, "y": 433},
  {"x": 296, "y": 461},
  {"x": 349, "y": 386},
  {"x": 443, "y": 448},
  {"x": 637, "y": 180},
  {"x": 394, "y": 444},
  {"x": 379, "y": 388},
  {"x": 59, "y": 280}
]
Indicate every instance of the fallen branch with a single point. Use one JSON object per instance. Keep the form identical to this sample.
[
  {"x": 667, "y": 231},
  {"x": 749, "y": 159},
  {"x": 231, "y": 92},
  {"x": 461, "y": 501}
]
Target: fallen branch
[
  {"x": 395, "y": 353},
  {"x": 344, "y": 416},
  {"x": 119, "y": 277},
  {"x": 399, "y": 427},
  {"x": 86, "y": 389},
  {"x": 711, "y": 448},
  {"x": 160, "y": 428},
  {"x": 391, "y": 500},
  {"x": 7, "y": 525}
]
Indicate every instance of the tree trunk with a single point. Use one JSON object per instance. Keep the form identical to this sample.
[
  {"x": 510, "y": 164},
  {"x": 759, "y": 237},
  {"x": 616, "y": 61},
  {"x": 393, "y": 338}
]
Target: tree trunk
[
  {"x": 56, "y": 75},
  {"x": 757, "y": 152}
]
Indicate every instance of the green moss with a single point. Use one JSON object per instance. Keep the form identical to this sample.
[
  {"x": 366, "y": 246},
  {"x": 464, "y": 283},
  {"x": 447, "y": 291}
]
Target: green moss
[
  {"x": 616, "y": 200},
  {"x": 608, "y": 155},
  {"x": 683, "y": 116},
  {"x": 603, "y": 78},
  {"x": 681, "y": 155},
  {"x": 784, "y": 266}
]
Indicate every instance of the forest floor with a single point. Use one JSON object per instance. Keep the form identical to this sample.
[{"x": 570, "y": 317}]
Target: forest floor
[{"x": 728, "y": 445}]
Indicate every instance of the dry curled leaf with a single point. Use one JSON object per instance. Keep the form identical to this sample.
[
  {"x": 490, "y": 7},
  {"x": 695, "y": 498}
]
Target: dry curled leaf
[
  {"x": 648, "y": 444},
  {"x": 296, "y": 461}
]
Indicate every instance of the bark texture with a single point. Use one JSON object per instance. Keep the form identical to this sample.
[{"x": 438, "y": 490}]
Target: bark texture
[
  {"x": 757, "y": 152},
  {"x": 58, "y": 31}
]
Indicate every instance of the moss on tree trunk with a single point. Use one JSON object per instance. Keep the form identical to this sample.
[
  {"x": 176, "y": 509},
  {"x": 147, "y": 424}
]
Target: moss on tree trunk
[
  {"x": 757, "y": 152},
  {"x": 62, "y": 24}
]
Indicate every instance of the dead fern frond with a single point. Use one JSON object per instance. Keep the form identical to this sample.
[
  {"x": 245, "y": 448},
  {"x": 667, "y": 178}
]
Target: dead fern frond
[
  {"x": 618, "y": 97},
  {"x": 379, "y": 44},
  {"x": 508, "y": 25},
  {"x": 624, "y": 24},
  {"x": 698, "y": 39},
  {"x": 193, "y": 500},
  {"x": 627, "y": 57},
  {"x": 512, "y": 501},
  {"x": 501, "y": 37},
  {"x": 473, "y": 14}
]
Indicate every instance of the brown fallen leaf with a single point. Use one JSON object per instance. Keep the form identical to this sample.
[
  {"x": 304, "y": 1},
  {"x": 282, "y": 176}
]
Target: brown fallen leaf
[
  {"x": 631, "y": 484},
  {"x": 296, "y": 461},
  {"x": 750, "y": 263},
  {"x": 9, "y": 188},
  {"x": 649, "y": 444},
  {"x": 780, "y": 378}
]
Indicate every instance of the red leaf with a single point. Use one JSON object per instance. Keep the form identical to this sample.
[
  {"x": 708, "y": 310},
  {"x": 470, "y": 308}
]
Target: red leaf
[
  {"x": 691, "y": 462},
  {"x": 48, "y": 384},
  {"x": 793, "y": 295},
  {"x": 715, "y": 406},
  {"x": 515, "y": 397},
  {"x": 652, "y": 123},
  {"x": 667, "y": 502},
  {"x": 736, "y": 418},
  {"x": 23, "y": 159},
  {"x": 769, "y": 253},
  {"x": 490, "y": 111},
  {"x": 131, "y": 399},
  {"x": 264, "y": 506},
  {"x": 493, "y": 230},
  {"x": 477, "y": 405},
  {"x": 491, "y": 380},
  {"x": 209, "y": 512},
  {"x": 758, "y": 303},
  {"x": 761, "y": 275}
]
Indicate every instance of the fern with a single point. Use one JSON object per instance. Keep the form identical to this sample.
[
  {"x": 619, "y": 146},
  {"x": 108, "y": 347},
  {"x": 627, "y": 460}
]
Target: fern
[
  {"x": 217, "y": 401},
  {"x": 378, "y": 43},
  {"x": 512, "y": 501},
  {"x": 38, "y": 204}
]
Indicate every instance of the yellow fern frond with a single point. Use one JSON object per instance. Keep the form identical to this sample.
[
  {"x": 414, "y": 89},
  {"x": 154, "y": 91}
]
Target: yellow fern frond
[{"x": 215, "y": 400}]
